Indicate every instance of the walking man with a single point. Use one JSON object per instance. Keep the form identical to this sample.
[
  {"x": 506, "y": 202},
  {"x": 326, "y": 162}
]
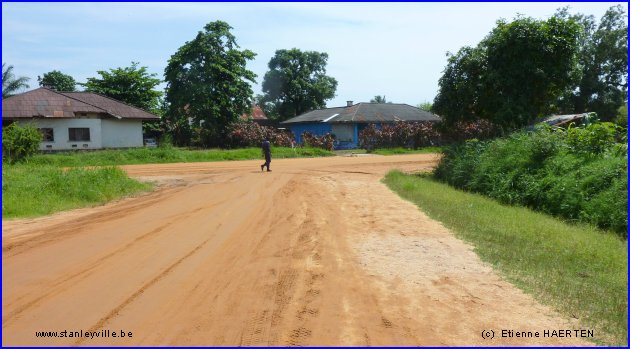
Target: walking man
[{"x": 266, "y": 149}]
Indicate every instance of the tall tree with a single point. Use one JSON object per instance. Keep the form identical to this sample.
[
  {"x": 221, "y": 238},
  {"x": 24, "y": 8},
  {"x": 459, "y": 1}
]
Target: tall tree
[
  {"x": 11, "y": 84},
  {"x": 297, "y": 82},
  {"x": 58, "y": 81},
  {"x": 603, "y": 59},
  {"x": 379, "y": 100},
  {"x": 132, "y": 85},
  {"x": 516, "y": 74},
  {"x": 207, "y": 83}
]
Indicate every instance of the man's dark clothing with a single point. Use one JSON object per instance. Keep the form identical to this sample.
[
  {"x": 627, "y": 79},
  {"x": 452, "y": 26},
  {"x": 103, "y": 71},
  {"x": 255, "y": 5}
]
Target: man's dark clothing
[{"x": 267, "y": 152}]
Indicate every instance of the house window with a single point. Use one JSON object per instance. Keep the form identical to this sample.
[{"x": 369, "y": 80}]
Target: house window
[
  {"x": 47, "y": 134},
  {"x": 79, "y": 134}
]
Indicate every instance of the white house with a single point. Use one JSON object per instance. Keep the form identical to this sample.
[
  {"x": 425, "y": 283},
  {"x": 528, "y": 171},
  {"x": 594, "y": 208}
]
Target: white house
[{"x": 77, "y": 120}]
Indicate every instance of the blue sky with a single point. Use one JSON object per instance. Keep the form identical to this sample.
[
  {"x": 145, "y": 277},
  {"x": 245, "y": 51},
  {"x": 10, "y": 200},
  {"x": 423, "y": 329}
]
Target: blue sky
[{"x": 392, "y": 49}]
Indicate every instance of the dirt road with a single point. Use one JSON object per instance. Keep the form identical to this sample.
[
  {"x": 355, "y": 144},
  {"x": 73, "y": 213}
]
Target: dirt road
[{"x": 318, "y": 252}]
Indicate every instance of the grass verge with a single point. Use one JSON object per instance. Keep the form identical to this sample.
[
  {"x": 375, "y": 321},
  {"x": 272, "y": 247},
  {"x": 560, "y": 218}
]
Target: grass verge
[
  {"x": 36, "y": 190},
  {"x": 167, "y": 155},
  {"x": 579, "y": 270},
  {"x": 399, "y": 151}
]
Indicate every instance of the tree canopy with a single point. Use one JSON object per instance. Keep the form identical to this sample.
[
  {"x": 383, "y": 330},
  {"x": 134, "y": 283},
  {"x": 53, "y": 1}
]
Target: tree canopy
[
  {"x": 379, "y": 99},
  {"x": 529, "y": 68},
  {"x": 516, "y": 74},
  {"x": 208, "y": 85},
  {"x": 297, "y": 83},
  {"x": 58, "y": 81},
  {"x": 10, "y": 83},
  {"x": 132, "y": 85},
  {"x": 603, "y": 59}
]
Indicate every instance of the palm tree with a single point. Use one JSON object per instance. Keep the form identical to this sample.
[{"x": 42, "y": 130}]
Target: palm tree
[
  {"x": 10, "y": 84},
  {"x": 379, "y": 100}
]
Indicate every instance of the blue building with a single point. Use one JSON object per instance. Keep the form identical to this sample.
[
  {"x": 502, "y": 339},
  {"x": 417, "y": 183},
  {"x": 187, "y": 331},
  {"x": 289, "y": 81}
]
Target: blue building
[{"x": 345, "y": 123}]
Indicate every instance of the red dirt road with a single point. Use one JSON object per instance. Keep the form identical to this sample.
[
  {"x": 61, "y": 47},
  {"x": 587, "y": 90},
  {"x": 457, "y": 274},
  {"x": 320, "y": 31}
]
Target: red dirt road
[{"x": 318, "y": 252}]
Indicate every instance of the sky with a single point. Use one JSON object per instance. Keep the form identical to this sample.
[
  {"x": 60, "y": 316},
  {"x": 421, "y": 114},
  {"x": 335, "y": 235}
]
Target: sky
[{"x": 396, "y": 50}]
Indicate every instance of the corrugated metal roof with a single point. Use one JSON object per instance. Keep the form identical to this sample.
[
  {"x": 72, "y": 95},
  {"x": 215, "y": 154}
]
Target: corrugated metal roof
[
  {"x": 366, "y": 113},
  {"x": 256, "y": 114},
  {"x": 113, "y": 107},
  {"x": 43, "y": 102}
]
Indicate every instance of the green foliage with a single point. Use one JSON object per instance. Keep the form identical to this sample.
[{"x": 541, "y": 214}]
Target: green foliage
[
  {"x": 603, "y": 58},
  {"x": 579, "y": 174},
  {"x": 58, "y": 81},
  {"x": 19, "y": 142},
  {"x": 34, "y": 190},
  {"x": 379, "y": 100},
  {"x": 207, "y": 81},
  {"x": 11, "y": 84},
  {"x": 592, "y": 139},
  {"x": 622, "y": 116},
  {"x": 513, "y": 76},
  {"x": 577, "y": 269},
  {"x": 132, "y": 85},
  {"x": 426, "y": 106},
  {"x": 297, "y": 83}
]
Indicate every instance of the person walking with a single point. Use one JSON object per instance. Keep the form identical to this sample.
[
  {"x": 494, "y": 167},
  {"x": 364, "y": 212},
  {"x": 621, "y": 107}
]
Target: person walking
[{"x": 266, "y": 149}]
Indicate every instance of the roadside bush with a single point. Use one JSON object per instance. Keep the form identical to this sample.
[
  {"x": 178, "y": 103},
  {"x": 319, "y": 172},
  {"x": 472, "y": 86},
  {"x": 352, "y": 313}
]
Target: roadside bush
[
  {"x": 399, "y": 134},
  {"x": 19, "y": 142},
  {"x": 248, "y": 133},
  {"x": 424, "y": 134},
  {"x": 464, "y": 130},
  {"x": 594, "y": 138},
  {"x": 579, "y": 174},
  {"x": 326, "y": 142}
]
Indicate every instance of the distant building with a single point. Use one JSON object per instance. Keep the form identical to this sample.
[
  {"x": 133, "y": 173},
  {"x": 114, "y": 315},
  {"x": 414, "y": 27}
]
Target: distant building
[
  {"x": 346, "y": 122},
  {"x": 257, "y": 115},
  {"x": 77, "y": 120}
]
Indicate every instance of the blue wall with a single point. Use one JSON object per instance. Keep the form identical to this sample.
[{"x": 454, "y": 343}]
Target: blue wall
[{"x": 321, "y": 128}]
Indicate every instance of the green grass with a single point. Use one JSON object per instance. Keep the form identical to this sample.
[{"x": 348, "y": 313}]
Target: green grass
[
  {"x": 167, "y": 155},
  {"x": 37, "y": 190},
  {"x": 399, "y": 151},
  {"x": 579, "y": 270},
  {"x": 350, "y": 151}
]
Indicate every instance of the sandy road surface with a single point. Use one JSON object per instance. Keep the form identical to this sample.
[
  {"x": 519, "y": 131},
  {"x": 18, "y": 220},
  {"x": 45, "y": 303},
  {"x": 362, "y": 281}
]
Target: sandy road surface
[{"x": 318, "y": 252}]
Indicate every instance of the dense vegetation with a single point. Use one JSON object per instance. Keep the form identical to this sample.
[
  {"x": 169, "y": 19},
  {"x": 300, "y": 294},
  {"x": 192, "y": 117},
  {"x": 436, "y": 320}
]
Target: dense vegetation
[
  {"x": 577, "y": 269},
  {"x": 530, "y": 68},
  {"x": 413, "y": 135},
  {"x": 579, "y": 174},
  {"x": 19, "y": 142}
]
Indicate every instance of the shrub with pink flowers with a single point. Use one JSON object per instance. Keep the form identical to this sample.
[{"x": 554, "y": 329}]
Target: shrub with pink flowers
[
  {"x": 326, "y": 141},
  {"x": 399, "y": 134},
  {"x": 248, "y": 134},
  {"x": 423, "y": 134}
]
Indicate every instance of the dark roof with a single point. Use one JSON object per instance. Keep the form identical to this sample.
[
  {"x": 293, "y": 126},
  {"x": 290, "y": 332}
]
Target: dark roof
[
  {"x": 558, "y": 120},
  {"x": 43, "y": 102},
  {"x": 256, "y": 114},
  {"x": 365, "y": 113}
]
